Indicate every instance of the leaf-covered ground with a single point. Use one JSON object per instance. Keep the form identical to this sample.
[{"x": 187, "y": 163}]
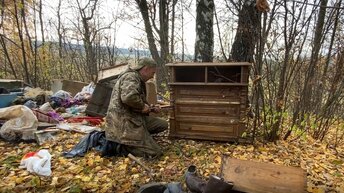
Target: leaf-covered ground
[{"x": 92, "y": 173}]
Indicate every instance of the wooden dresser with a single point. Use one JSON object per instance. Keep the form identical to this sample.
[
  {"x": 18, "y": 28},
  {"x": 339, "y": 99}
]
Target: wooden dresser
[{"x": 209, "y": 100}]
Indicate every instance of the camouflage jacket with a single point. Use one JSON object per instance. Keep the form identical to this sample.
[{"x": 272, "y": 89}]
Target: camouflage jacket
[{"x": 125, "y": 123}]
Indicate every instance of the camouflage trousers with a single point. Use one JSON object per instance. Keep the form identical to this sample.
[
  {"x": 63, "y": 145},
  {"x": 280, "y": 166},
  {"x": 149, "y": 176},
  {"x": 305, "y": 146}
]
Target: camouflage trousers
[{"x": 151, "y": 149}]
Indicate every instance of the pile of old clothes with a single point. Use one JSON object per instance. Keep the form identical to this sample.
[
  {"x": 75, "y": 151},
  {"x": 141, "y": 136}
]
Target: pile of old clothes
[{"x": 37, "y": 110}]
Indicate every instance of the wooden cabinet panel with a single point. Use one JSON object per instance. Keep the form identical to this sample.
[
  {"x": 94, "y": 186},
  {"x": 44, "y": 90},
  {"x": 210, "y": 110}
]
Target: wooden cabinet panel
[
  {"x": 220, "y": 111},
  {"x": 206, "y": 119},
  {"x": 196, "y": 127}
]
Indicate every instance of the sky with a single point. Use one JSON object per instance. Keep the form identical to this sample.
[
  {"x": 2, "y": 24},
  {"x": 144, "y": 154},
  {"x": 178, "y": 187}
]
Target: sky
[{"x": 128, "y": 32}]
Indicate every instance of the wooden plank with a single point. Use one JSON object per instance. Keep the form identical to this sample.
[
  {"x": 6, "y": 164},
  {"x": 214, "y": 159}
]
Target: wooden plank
[
  {"x": 198, "y": 127},
  {"x": 211, "y": 91},
  {"x": 210, "y": 64},
  {"x": 204, "y": 136},
  {"x": 256, "y": 177},
  {"x": 221, "y": 111},
  {"x": 203, "y": 101},
  {"x": 207, "y": 84},
  {"x": 207, "y": 119}
]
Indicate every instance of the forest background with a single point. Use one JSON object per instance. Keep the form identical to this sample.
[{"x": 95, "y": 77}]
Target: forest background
[{"x": 295, "y": 47}]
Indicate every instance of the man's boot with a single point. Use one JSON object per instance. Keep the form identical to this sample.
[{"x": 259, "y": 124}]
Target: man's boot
[
  {"x": 193, "y": 182},
  {"x": 152, "y": 188},
  {"x": 217, "y": 185}
]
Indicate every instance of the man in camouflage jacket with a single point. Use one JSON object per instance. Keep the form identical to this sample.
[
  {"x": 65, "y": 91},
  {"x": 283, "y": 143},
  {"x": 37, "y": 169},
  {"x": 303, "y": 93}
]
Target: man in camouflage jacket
[{"x": 128, "y": 121}]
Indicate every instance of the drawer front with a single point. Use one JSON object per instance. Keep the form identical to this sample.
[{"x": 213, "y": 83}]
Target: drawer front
[
  {"x": 207, "y": 132},
  {"x": 222, "y": 109},
  {"x": 229, "y": 93},
  {"x": 203, "y": 128}
]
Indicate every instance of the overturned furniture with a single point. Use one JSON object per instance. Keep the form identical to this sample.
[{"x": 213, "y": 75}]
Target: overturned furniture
[
  {"x": 101, "y": 96},
  {"x": 209, "y": 100},
  {"x": 71, "y": 86}
]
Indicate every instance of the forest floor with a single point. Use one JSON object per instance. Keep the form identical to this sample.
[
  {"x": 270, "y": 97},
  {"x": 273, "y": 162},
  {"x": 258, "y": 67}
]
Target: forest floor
[{"x": 324, "y": 165}]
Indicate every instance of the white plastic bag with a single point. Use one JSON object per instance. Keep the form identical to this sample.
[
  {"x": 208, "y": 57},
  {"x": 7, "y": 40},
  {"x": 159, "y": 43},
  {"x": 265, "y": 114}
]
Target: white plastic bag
[
  {"x": 21, "y": 124},
  {"x": 85, "y": 93},
  {"x": 46, "y": 107},
  {"x": 39, "y": 163},
  {"x": 61, "y": 94}
]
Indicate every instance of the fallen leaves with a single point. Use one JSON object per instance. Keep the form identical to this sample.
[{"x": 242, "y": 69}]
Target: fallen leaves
[{"x": 94, "y": 173}]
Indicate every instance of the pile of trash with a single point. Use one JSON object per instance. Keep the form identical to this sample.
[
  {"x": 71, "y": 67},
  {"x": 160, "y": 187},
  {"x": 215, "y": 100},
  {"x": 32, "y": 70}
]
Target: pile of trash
[
  {"x": 38, "y": 116},
  {"x": 38, "y": 113}
]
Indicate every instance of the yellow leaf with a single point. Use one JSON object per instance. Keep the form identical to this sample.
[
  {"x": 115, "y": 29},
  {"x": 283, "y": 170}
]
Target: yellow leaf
[
  {"x": 250, "y": 148},
  {"x": 134, "y": 170},
  {"x": 318, "y": 190},
  {"x": 90, "y": 162},
  {"x": 62, "y": 160},
  {"x": 262, "y": 149},
  {"x": 97, "y": 168},
  {"x": 123, "y": 166},
  {"x": 59, "y": 148},
  {"x": 54, "y": 181},
  {"x": 104, "y": 178},
  {"x": 218, "y": 159},
  {"x": 19, "y": 180},
  {"x": 135, "y": 176},
  {"x": 98, "y": 158},
  {"x": 86, "y": 179}
]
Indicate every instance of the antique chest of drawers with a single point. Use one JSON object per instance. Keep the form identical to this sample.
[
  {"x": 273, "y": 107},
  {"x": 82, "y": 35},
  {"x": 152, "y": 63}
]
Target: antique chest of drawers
[{"x": 209, "y": 100}]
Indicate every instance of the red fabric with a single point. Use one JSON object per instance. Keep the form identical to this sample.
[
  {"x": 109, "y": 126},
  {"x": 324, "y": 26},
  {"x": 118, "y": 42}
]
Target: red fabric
[
  {"x": 91, "y": 120},
  {"x": 43, "y": 117},
  {"x": 30, "y": 154}
]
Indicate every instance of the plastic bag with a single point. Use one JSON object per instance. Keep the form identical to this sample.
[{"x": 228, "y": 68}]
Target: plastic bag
[
  {"x": 62, "y": 95},
  {"x": 61, "y": 99},
  {"x": 46, "y": 107},
  {"x": 21, "y": 124},
  {"x": 85, "y": 93},
  {"x": 37, "y": 162},
  {"x": 30, "y": 104},
  {"x": 97, "y": 140}
]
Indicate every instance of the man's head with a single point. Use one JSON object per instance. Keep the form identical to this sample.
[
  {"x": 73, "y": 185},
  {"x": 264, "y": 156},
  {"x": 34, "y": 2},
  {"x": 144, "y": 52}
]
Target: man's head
[{"x": 146, "y": 67}]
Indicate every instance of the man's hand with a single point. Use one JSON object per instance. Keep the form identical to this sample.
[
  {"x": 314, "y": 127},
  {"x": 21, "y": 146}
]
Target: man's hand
[
  {"x": 146, "y": 109},
  {"x": 151, "y": 108},
  {"x": 155, "y": 108}
]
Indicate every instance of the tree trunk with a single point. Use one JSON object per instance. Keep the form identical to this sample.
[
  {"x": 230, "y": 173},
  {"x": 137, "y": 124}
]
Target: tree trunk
[
  {"x": 161, "y": 75},
  {"x": 321, "y": 85},
  {"x": 247, "y": 33},
  {"x": 245, "y": 41},
  {"x": 204, "y": 45},
  {"x": 307, "y": 96},
  {"x": 7, "y": 56},
  {"x": 41, "y": 20},
  {"x": 60, "y": 35},
  {"x": 174, "y": 2},
  {"x": 220, "y": 38},
  {"x": 164, "y": 44},
  {"x": 88, "y": 38},
  {"x": 21, "y": 38}
]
